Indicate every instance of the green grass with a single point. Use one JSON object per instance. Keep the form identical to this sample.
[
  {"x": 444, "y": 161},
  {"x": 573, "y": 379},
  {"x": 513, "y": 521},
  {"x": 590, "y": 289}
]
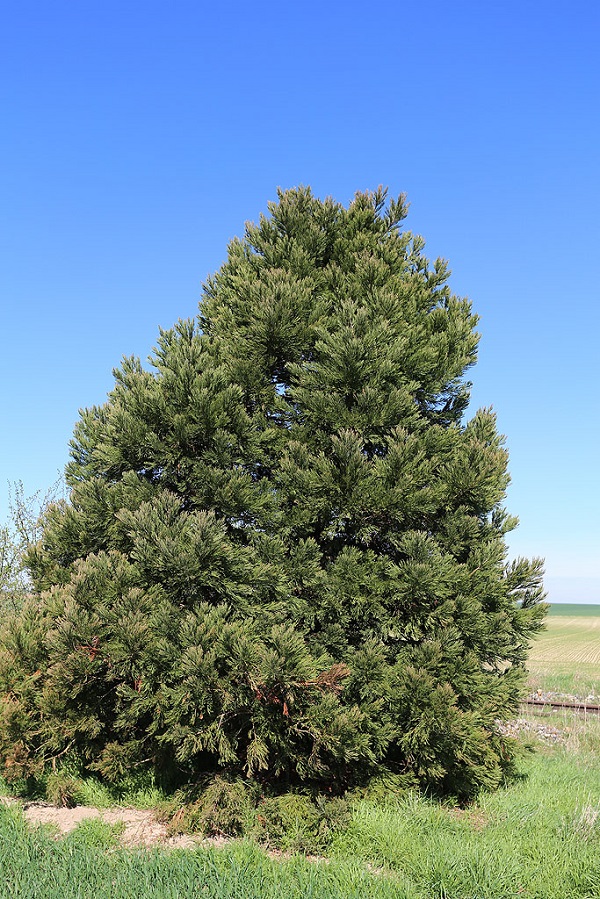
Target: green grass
[
  {"x": 139, "y": 792},
  {"x": 580, "y": 684},
  {"x": 539, "y": 838},
  {"x": 34, "y": 865}
]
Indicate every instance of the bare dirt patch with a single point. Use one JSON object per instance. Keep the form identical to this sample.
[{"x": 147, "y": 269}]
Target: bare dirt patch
[{"x": 141, "y": 829}]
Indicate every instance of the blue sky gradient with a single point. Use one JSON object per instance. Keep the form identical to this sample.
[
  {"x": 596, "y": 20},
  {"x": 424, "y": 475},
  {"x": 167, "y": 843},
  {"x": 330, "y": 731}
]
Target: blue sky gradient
[{"x": 138, "y": 138}]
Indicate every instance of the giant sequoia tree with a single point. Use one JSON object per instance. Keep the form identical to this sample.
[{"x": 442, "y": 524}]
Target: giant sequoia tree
[{"x": 283, "y": 552}]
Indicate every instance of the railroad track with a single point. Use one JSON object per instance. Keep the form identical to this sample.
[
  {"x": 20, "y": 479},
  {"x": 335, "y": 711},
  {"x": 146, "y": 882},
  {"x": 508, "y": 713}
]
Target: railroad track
[{"x": 584, "y": 708}]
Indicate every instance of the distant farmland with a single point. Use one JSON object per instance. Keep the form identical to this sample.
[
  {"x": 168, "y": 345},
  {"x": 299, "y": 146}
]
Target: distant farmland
[
  {"x": 567, "y": 654},
  {"x": 574, "y": 610}
]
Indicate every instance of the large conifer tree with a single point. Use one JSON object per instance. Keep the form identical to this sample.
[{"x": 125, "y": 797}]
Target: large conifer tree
[{"x": 284, "y": 550}]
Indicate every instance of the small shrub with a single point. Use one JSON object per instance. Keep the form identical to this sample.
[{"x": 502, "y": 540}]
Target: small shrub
[
  {"x": 62, "y": 789},
  {"x": 334, "y": 815},
  {"x": 233, "y": 807},
  {"x": 223, "y": 809}
]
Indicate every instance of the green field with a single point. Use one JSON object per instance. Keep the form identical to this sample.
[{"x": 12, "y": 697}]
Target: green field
[
  {"x": 566, "y": 656},
  {"x": 573, "y": 610}
]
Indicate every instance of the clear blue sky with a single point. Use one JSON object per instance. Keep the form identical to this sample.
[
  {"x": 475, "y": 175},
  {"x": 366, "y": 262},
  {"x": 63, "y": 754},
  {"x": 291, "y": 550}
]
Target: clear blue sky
[{"x": 137, "y": 138}]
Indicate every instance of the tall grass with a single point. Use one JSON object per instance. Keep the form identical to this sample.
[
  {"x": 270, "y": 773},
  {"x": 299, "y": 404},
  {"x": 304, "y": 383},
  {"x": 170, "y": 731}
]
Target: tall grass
[
  {"x": 538, "y": 838},
  {"x": 33, "y": 865},
  {"x": 580, "y": 684}
]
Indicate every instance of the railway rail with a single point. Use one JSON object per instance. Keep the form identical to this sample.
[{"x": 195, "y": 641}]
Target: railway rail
[{"x": 584, "y": 708}]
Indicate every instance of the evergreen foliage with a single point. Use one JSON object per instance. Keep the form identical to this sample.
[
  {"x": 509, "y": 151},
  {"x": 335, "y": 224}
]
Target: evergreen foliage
[{"x": 283, "y": 554}]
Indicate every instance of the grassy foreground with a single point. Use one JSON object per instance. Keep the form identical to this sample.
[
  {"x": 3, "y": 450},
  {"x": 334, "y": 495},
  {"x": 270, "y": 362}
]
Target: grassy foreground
[
  {"x": 539, "y": 838},
  {"x": 85, "y": 864},
  {"x": 536, "y": 839}
]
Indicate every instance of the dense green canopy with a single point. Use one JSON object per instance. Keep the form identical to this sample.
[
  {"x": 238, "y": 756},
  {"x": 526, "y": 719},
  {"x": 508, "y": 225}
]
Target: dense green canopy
[{"x": 283, "y": 552}]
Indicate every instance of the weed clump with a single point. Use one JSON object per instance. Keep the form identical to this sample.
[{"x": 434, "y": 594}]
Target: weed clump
[{"x": 295, "y": 822}]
